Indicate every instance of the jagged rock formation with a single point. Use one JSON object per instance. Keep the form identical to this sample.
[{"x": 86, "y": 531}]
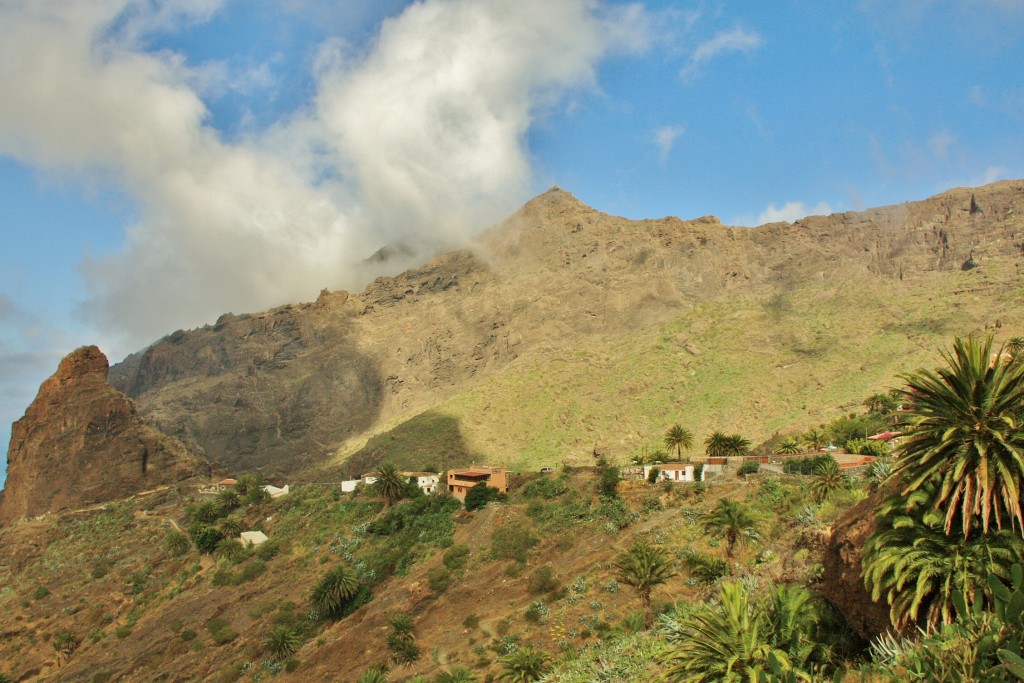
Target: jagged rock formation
[
  {"x": 286, "y": 388},
  {"x": 81, "y": 442},
  {"x": 842, "y": 582}
]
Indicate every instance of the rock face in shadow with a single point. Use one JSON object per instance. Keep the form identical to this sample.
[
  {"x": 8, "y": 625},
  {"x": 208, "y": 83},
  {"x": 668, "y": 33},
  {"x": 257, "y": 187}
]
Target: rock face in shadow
[
  {"x": 842, "y": 583},
  {"x": 81, "y": 442}
]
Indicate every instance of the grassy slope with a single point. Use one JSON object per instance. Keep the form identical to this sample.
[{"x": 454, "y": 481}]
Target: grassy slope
[{"x": 754, "y": 366}]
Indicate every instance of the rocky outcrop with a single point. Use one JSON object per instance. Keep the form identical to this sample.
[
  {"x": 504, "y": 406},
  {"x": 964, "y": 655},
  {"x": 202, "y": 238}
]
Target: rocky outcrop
[
  {"x": 81, "y": 442},
  {"x": 842, "y": 583}
]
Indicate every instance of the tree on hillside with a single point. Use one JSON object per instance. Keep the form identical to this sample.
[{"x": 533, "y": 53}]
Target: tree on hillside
[
  {"x": 717, "y": 445},
  {"x": 788, "y": 446},
  {"x": 736, "y": 446},
  {"x": 733, "y": 520},
  {"x": 480, "y": 495},
  {"x": 334, "y": 592},
  {"x": 390, "y": 484},
  {"x": 883, "y": 403},
  {"x": 828, "y": 478},
  {"x": 964, "y": 437},
  {"x": 678, "y": 437},
  {"x": 815, "y": 439},
  {"x": 645, "y": 566}
]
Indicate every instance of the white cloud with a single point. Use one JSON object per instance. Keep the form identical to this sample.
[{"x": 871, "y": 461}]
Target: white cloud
[
  {"x": 736, "y": 40},
  {"x": 421, "y": 133},
  {"x": 789, "y": 212},
  {"x": 665, "y": 138}
]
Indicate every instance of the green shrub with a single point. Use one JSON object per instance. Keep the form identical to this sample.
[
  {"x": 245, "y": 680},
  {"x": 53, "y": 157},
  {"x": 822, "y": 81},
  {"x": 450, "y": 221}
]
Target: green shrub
[
  {"x": 542, "y": 581},
  {"x": 472, "y": 621},
  {"x": 545, "y": 487},
  {"x": 749, "y": 467},
  {"x": 40, "y": 593},
  {"x": 438, "y": 579},
  {"x": 608, "y": 480},
  {"x": 268, "y": 550},
  {"x": 206, "y": 538},
  {"x": 456, "y": 557},
  {"x": 102, "y": 677},
  {"x": 652, "y": 476},
  {"x": 123, "y": 632},
  {"x": 99, "y": 570},
  {"x": 512, "y": 543},
  {"x": 805, "y": 465},
  {"x": 480, "y": 495},
  {"x": 187, "y": 635},
  {"x": 291, "y": 665}
]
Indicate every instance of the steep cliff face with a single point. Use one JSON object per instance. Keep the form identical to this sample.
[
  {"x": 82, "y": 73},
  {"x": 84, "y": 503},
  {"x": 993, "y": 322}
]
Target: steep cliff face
[
  {"x": 81, "y": 442},
  {"x": 842, "y": 582}
]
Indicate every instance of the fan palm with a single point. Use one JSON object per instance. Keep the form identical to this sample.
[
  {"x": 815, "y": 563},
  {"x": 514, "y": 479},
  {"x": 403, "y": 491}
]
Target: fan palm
[
  {"x": 918, "y": 568},
  {"x": 678, "y": 437},
  {"x": 334, "y": 591},
  {"x": 390, "y": 484},
  {"x": 963, "y": 432},
  {"x": 717, "y": 445},
  {"x": 645, "y": 566},
  {"x": 524, "y": 665},
  {"x": 828, "y": 478},
  {"x": 732, "y": 519}
]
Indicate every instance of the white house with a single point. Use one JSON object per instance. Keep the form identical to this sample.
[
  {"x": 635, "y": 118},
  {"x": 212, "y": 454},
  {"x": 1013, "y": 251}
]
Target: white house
[
  {"x": 349, "y": 485},
  {"x": 253, "y": 538},
  {"x": 672, "y": 471},
  {"x": 276, "y": 492},
  {"x": 427, "y": 481}
]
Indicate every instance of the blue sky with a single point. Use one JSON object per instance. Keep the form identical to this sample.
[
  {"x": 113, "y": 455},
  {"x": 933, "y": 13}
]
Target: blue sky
[{"x": 162, "y": 162}]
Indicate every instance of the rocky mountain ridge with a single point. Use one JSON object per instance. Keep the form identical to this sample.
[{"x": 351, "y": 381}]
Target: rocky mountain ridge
[{"x": 295, "y": 385}]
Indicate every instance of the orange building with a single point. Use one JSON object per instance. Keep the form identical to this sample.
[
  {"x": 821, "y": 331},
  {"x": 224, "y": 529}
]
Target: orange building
[{"x": 461, "y": 481}]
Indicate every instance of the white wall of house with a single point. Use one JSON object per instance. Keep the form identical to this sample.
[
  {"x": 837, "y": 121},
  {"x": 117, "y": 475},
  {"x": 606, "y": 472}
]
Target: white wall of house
[{"x": 671, "y": 472}]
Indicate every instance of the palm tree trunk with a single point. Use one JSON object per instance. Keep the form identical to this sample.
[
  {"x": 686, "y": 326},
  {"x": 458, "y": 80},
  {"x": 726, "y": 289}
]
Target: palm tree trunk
[{"x": 645, "y": 598}]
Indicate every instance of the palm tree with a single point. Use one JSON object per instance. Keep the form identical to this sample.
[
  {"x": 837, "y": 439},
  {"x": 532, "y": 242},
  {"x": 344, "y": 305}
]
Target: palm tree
[
  {"x": 456, "y": 674},
  {"x": 734, "y": 520},
  {"x": 334, "y": 591},
  {"x": 645, "y": 566},
  {"x": 918, "y": 568},
  {"x": 828, "y": 478},
  {"x": 815, "y": 438},
  {"x": 737, "y": 446},
  {"x": 678, "y": 437},
  {"x": 390, "y": 484},
  {"x": 788, "y": 446},
  {"x": 282, "y": 642},
  {"x": 524, "y": 665},
  {"x": 963, "y": 432},
  {"x": 717, "y": 445}
]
